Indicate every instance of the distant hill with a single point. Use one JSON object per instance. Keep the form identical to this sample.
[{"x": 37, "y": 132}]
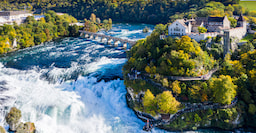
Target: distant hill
[{"x": 250, "y": 4}]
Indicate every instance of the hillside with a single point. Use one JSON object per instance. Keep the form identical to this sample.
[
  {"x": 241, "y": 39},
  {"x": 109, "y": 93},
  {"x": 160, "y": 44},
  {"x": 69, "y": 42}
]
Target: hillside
[
  {"x": 251, "y": 5},
  {"x": 157, "y": 11}
]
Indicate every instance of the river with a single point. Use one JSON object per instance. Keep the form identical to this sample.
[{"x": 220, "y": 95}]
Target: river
[{"x": 73, "y": 85}]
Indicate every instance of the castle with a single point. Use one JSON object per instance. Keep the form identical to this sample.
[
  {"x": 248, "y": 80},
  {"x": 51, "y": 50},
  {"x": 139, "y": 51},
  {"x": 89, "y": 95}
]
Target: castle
[
  {"x": 214, "y": 25},
  {"x": 8, "y": 17}
]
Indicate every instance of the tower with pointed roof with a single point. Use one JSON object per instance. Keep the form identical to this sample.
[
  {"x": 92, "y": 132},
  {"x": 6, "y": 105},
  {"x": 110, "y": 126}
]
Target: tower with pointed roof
[{"x": 241, "y": 21}]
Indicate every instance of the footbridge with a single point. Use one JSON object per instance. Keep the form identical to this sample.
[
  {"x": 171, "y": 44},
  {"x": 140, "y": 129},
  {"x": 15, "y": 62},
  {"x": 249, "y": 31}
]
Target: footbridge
[{"x": 115, "y": 41}]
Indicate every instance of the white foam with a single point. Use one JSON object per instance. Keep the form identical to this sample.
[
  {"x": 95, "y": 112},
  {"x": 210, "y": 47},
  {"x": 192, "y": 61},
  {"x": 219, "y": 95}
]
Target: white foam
[{"x": 80, "y": 106}]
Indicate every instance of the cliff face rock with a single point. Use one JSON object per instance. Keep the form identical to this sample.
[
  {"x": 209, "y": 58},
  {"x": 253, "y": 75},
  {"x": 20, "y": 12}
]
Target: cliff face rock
[
  {"x": 27, "y": 127},
  {"x": 13, "y": 118}
]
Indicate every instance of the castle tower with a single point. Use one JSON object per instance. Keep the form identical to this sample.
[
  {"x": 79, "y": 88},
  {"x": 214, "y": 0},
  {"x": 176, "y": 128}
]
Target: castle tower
[
  {"x": 241, "y": 21},
  {"x": 227, "y": 44}
]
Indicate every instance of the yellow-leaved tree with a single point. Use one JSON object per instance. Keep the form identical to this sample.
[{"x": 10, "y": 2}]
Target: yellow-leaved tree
[
  {"x": 148, "y": 101},
  {"x": 4, "y": 45},
  {"x": 185, "y": 44},
  {"x": 224, "y": 91},
  {"x": 167, "y": 104},
  {"x": 176, "y": 87}
]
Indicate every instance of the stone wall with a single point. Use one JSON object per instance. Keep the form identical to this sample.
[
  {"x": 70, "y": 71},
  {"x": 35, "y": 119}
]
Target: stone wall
[
  {"x": 238, "y": 32},
  {"x": 198, "y": 37}
]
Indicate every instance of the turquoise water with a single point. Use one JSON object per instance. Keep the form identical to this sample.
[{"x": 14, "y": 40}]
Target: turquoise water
[{"x": 74, "y": 85}]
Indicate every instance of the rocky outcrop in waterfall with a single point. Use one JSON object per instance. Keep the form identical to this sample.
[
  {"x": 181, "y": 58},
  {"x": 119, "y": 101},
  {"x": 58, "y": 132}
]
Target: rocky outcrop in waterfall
[
  {"x": 13, "y": 119},
  {"x": 27, "y": 127}
]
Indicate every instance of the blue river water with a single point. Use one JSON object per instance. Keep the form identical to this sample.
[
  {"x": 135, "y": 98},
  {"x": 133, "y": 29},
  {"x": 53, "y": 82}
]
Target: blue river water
[{"x": 73, "y": 85}]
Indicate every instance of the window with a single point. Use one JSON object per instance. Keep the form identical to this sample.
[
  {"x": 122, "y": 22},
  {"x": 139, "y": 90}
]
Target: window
[{"x": 176, "y": 24}]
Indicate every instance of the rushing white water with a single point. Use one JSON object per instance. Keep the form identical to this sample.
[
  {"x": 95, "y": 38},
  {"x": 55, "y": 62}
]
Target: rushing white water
[
  {"x": 72, "y": 86},
  {"x": 84, "y": 105}
]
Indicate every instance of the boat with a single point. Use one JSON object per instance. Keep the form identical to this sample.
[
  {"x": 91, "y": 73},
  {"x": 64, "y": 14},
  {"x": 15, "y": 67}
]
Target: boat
[{"x": 148, "y": 127}]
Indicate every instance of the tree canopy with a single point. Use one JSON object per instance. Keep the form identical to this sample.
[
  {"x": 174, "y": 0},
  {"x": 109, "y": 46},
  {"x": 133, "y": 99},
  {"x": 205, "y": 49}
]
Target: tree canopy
[
  {"x": 224, "y": 90},
  {"x": 34, "y": 32},
  {"x": 170, "y": 57},
  {"x": 167, "y": 103}
]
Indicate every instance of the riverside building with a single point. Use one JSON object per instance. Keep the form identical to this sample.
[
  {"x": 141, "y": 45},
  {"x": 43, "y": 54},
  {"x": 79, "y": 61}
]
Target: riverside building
[
  {"x": 214, "y": 25},
  {"x": 8, "y": 17}
]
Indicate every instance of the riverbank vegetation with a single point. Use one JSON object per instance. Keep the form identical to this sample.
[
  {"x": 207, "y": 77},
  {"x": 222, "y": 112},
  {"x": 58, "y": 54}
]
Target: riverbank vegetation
[
  {"x": 34, "y": 32},
  {"x": 220, "y": 118},
  {"x": 248, "y": 4},
  {"x": 94, "y": 24},
  {"x": 176, "y": 57},
  {"x": 158, "y": 60},
  {"x": 156, "y": 11}
]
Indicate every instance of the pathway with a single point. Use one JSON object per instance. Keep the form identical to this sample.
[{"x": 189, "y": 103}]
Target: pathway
[{"x": 191, "y": 108}]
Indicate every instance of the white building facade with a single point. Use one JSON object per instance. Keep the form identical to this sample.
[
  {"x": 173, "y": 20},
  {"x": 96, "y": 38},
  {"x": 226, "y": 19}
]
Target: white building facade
[
  {"x": 179, "y": 28},
  {"x": 8, "y": 17},
  {"x": 214, "y": 26}
]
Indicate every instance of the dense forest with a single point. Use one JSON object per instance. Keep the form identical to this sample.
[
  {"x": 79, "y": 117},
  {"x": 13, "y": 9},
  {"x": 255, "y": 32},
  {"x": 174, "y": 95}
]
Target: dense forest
[
  {"x": 146, "y": 11},
  {"x": 185, "y": 57},
  {"x": 34, "y": 32},
  {"x": 94, "y": 24},
  {"x": 158, "y": 59}
]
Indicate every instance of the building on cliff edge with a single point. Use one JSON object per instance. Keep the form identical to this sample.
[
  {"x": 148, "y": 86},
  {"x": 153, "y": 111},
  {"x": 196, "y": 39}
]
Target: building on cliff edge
[
  {"x": 8, "y": 17},
  {"x": 214, "y": 25}
]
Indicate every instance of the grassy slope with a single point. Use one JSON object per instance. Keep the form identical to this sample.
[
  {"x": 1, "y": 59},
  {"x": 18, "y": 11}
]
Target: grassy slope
[
  {"x": 247, "y": 38},
  {"x": 251, "y": 5}
]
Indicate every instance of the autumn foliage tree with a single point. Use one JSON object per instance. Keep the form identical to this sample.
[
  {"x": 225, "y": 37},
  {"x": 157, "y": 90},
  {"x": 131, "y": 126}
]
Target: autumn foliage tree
[
  {"x": 166, "y": 103},
  {"x": 4, "y": 45},
  {"x": 176, "y": 87},
  {"x": 224, "y": 90},
  {"x": 202, "y": 30},
  {"x": 148, "y": 101}
]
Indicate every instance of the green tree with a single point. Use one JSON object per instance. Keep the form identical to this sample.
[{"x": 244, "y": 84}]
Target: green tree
[
  {"x": 160, "y": 28},
  {"x": 233, "y": 22},
  {"x": 176, "y": 87},
  {"x": 202, "y": 30},
  {"x": 167, "y": 103},
  {"x": 229, "y": 9},
  {"x": 252, "y": 109},
  {"x": 246, "y": 47},
  {"x": 224, "y": 91},
  {"x": 148, "y": 101},
  {"x": 197, "y": 118},
  {"x": 73, "y": 31},
  {"x": 47, "y": 18}
]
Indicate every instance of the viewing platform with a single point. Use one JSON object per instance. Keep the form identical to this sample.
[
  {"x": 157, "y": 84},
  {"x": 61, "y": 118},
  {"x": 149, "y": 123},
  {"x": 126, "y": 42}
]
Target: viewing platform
[{"x": 117, "y": 42}]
